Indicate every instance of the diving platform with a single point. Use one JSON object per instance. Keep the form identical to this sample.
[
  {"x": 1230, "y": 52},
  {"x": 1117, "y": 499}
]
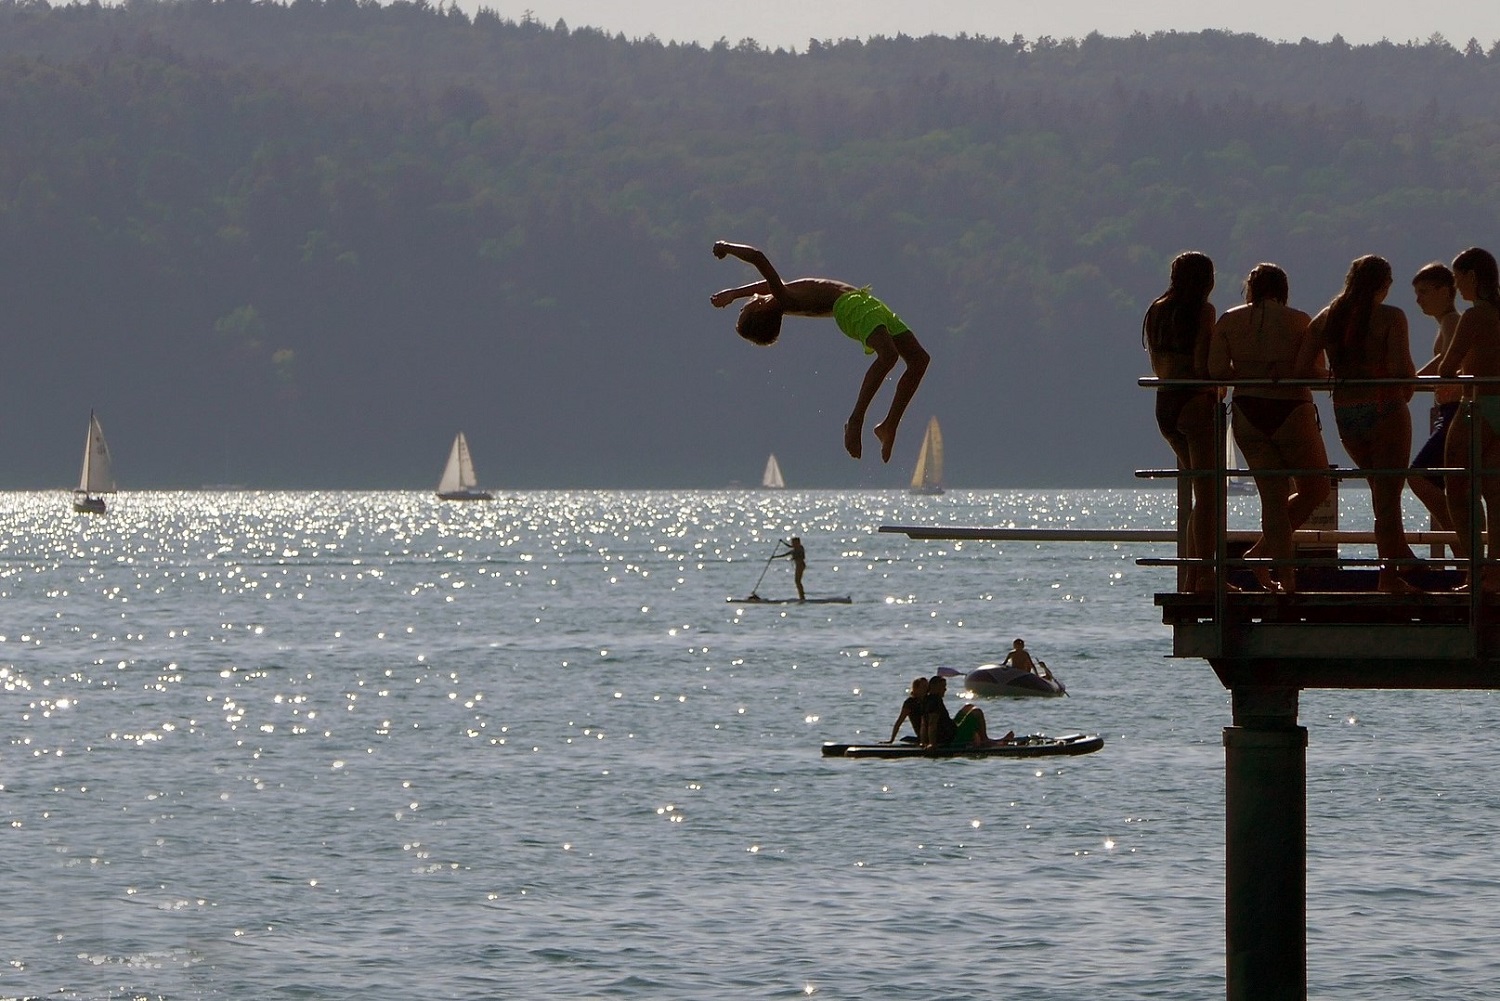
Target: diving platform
[{"x": 1333, "y": 631}]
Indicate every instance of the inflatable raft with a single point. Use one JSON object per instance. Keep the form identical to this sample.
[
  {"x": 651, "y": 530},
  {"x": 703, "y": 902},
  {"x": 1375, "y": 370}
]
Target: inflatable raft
[
  {"x": 997, "y": 679},
  {"x": 1036, "y": 745}
]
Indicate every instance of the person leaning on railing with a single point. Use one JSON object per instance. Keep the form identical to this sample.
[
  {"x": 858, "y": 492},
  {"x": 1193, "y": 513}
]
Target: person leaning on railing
[
  {"x": 1366, "y": 338},
  {"x": 1175, "y": 332},
  {"x": 1276, "y": 427},
  {"x": 1476, "y": 351},
  {"x": 1433, "y": 288}
]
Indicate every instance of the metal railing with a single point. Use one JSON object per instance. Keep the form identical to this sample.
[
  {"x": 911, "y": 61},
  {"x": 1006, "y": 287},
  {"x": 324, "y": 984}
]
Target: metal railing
[{"x": 1221, "y": 562}]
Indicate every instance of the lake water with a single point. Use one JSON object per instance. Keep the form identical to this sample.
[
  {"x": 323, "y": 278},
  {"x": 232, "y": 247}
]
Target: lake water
[{"x": 328, "y": 745}]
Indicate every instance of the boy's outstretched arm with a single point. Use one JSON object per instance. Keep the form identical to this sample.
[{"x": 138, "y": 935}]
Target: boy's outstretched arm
[
  {"x": 757, "y": 259},
  {"x": 724, "y": 297}
]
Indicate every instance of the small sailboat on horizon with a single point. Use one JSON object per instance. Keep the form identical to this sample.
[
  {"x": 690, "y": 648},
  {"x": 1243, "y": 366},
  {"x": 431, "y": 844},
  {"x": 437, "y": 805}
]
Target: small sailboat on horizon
[
  {"x": 458, "y": 482},
  {"x": 928, "y": 477},
  {"x": 98, "y": 474},
  {"x": 771, "y": 478}
]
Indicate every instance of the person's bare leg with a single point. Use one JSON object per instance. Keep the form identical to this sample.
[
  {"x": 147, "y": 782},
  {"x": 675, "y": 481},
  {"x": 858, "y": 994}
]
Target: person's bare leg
[
  {"x": 1275, "y": 540},
  {"x": 1310, "y": 492},
  {"x": 1460, "y": 510},
  {"x": 1390, "y": 534},
  {"x": 1203, "y": 453},
  {"x": 916, "y": 358},
  {"x": 982, "y": 736},
  {"x": 885, "y": 360},
  {"x": 1434, "y": 499}
]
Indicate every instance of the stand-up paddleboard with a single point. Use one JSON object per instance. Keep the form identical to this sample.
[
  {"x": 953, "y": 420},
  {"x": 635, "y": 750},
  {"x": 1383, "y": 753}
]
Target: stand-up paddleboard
[
  {"x": 756, "y": 599},
  {"x": 1036, "y": 745}
]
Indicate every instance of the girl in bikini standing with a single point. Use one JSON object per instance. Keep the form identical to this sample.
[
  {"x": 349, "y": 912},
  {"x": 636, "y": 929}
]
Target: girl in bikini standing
[
  {"x": 1366, "y": 338},
  {"x": 1276, "y": 427},
  {"x": 1175, "y": 333}
]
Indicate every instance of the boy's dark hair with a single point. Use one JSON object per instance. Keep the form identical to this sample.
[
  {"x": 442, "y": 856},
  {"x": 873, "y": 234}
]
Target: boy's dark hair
[
  {"x": 759, "y": 322},
  {"x": 1437, "y": 273}
]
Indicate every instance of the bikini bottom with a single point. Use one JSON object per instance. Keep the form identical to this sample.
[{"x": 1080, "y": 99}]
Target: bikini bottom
[
  {"x": 1267, "y": 414},
  {"x": 1170, "y": 403},
  {"x": 1358, "y": 422}
]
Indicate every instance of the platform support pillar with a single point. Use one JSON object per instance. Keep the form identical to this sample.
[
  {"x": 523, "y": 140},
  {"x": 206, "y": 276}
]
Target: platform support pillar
[{"x": 1265, "y": 772}]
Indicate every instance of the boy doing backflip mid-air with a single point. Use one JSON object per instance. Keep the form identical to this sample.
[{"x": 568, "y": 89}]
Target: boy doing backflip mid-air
[{"x": 858, "y": 314}]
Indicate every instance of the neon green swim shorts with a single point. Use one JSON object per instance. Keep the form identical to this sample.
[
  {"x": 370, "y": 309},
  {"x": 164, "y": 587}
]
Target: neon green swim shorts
[
  {"x": 964, "y": 730},
  {"x": 859, "y": 314}
]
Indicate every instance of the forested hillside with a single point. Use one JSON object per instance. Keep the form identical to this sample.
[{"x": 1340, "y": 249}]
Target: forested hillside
[{"x": 302, "y": 244}]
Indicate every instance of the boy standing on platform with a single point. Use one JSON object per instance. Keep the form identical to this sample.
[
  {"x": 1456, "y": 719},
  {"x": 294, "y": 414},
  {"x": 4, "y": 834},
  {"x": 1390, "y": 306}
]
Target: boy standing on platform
[{"x": 1435, "y": 293}]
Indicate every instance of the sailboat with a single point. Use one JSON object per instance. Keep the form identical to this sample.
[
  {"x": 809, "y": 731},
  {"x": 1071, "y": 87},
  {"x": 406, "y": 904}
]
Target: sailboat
[
  {"x": 458, "y": 482},
  {"x": 928, "y": 478},
  {"x": 1235, "y": 484},
  {"x": 98, "y": 477},
  {"x": 771, "y": 478}
]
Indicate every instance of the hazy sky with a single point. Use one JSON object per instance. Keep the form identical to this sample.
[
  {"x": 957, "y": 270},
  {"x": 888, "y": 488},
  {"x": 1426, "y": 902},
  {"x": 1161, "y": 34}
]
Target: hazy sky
[{"x": 790, "y": 23}]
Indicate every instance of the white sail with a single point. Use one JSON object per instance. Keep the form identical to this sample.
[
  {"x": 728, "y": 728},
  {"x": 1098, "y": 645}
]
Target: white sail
[
  {"x": 98, "y": 474},
  {"x": 458, "y": 474},
  {"x": 771, "y": 479},
  {"x": 928, "y": 477},
  {"x": 458, "y": 481},
  {"x": 1235, "y": 484}
]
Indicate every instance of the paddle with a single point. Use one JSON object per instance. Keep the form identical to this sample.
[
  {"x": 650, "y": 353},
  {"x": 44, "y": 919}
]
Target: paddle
[{"x": 779, "y": 544}]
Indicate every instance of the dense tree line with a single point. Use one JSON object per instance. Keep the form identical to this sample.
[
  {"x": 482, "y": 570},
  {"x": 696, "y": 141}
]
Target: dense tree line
[{"x": 302, "y": 243}]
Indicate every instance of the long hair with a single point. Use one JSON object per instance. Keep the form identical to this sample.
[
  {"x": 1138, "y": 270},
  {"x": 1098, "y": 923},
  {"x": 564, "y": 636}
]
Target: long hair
[
  {"x": 1481, "y": 264},
  {"x": 1349, "y": 312},
  {"x": 1266, "y": 282},
  {"x": 1175, "y": 312}
]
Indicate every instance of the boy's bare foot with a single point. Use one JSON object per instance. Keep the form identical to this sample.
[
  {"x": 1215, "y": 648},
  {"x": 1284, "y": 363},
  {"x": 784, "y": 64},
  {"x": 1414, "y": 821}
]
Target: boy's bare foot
[
  {"x": 851, "y": 438},
  {"x": 887, "y": 438}
]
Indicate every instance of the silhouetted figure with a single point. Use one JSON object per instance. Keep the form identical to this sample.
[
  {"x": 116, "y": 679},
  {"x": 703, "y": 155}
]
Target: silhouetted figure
[
  {"x": 798, "y": 556},
  {"x": 858, "y": 314},
  {"x": 966, "y": 729},
  {"x": 1176, "y": 332},
  {"x": 1476, "y": 351},
  {"x": 911, "y": 709},
  {"x": 1019, "y": 657},
  {"x": 1275, "y": 427},
  {"x": 1435, "y": 292},
  {"x": 1366, "y": 338}
]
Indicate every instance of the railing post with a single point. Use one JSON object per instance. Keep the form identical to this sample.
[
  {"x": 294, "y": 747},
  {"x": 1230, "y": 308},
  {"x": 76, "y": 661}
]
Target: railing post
[
  {"x": 1184, "y": 536},
  {"x": 1221, "y": 524},
  {"x": 1476, "y": 529}
]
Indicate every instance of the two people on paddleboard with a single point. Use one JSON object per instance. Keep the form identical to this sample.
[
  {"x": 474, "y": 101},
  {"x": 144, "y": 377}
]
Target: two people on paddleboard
[
  {"x": 929, "y": 717},
  {"x": 858, "y": 314}
]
